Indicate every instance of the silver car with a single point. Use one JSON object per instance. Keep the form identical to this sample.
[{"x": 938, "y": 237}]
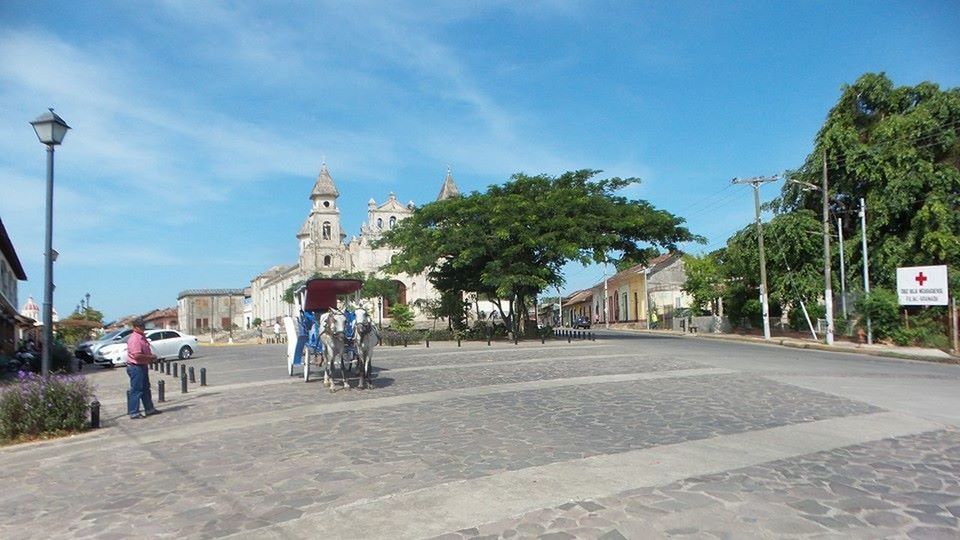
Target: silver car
[{"x": 164, "y": 343}]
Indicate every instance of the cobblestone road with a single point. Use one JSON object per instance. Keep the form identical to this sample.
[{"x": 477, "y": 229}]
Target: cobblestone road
[{"x": 618, "y": 438}]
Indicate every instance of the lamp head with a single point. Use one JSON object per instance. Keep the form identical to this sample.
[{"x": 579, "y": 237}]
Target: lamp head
[{"x": 50, "y": 128}]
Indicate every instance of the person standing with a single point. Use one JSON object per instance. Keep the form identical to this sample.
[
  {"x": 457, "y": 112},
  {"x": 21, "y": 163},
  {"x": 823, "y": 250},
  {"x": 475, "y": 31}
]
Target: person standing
[
  {"x": 139, "y": 357},
  {"x": 276, "y": 331},
  {"x": 259, "y": 335}
]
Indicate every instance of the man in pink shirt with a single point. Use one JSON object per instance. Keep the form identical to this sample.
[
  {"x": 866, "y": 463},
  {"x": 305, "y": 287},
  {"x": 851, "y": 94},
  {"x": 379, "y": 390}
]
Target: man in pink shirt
[{"x": 139, "y": 357}]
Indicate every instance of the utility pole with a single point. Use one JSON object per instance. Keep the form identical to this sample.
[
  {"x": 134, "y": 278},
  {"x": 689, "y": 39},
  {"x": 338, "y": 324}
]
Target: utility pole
[
  {"x": 756, "y": 182},
  {"x": 606, "y": 312},
  {"x": 560, "y": 297},
  {"x": 828, "y": 293},
  {"x": 866, "y": 265},
  {"x": 843, "y": 273}
]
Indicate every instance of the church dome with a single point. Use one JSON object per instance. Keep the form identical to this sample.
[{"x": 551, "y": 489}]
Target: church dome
[{"x": 30, "y": 309}]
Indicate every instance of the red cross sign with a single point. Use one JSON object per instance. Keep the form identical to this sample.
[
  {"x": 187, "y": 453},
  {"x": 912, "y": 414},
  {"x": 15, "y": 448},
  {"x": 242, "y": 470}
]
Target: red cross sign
[{"x": 922, "y": 286}]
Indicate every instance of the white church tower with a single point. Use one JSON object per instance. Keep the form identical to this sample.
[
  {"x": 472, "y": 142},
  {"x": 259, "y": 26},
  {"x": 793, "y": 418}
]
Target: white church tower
[{"x": 321, "y": 236}]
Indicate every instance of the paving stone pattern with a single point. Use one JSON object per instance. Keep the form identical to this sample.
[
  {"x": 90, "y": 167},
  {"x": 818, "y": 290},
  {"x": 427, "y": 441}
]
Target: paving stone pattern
[
  {"x": 253, "y": 478},
  {"x": 292, "y": 392},
  {"x": 903, "y": 488},
  {"x": 270, "y": 469}
]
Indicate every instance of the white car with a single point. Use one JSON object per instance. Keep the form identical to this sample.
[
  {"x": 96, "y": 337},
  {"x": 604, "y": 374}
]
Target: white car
[{"x": 164, "y": 343}]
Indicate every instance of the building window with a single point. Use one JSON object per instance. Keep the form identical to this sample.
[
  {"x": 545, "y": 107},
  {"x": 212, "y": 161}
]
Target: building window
[
  {"x": 326, "y": 230},
  {"x": 225, "y": 323},
  {"x": 326, "y": 260},
  {"x": 393, "y": 221},
  {"x": 379, "y": 223},
  {"x": 326, "y": 204}
]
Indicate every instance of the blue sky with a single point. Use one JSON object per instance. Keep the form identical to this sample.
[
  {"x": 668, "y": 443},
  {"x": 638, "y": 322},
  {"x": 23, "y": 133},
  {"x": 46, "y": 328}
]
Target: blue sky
[{"x": 199, "y": 127}]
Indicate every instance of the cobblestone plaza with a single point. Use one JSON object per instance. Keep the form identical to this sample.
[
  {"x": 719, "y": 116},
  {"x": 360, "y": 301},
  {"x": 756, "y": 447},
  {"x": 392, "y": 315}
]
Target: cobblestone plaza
[{"x": 625, "y": 437}]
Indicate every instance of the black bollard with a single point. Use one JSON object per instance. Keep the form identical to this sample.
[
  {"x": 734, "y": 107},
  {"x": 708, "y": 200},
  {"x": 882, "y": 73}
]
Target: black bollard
[
  {"x": 183, "y": 382},
  {"x": 543, "y": 338},
  {"x": 516, "y": 338},
  {"x": 404, "y": 340},
  {"x": 166, "y": 364},
  {"x": 203, "y": 376},
  {"x": 161, "y": 391},
  {"x": 95, "y": 414},
  {"x": 428, "y": 342},
  {"x": 193, "y": 377},
  {"x": 488, "y": 339},
  {"x": 568, "y": 337},
  {"x": 175, "y": 370},
  {"x": 458, "y": 342}
]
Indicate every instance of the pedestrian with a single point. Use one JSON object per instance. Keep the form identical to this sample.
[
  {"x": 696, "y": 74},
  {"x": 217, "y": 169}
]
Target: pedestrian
[
  {"x": 139, "y": 357},
  {"x": 653, "y": 319},
  {"x": 276, "y": 331},
  {"x": 259, "y": 335}
]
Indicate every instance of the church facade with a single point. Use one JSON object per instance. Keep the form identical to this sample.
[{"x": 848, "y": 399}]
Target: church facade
[{"x": 324, "y": 250}]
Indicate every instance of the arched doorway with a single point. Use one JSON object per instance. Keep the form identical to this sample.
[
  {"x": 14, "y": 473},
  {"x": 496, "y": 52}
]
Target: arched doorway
[{"x": 401, "y": 296}]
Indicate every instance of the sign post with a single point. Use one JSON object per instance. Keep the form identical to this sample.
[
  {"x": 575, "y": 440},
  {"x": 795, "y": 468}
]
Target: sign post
[{"x": 927, "y": 286}]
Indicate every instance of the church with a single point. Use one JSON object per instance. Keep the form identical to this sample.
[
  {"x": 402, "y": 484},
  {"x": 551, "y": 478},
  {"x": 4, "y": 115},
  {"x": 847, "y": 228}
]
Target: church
[{"x": 324, "y": 249}]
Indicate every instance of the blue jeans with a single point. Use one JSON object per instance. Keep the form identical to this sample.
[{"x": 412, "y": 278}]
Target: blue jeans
[{"x": 139, "y": 389}]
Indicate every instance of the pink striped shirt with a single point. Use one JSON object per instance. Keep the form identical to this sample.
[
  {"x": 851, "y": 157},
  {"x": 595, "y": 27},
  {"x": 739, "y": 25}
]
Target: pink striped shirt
[{"x": 138, "y": 350}]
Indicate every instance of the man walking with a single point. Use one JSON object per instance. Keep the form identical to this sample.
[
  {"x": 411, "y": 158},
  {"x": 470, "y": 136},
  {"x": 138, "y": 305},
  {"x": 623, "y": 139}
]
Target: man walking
[{"x": 139, "y": 357}]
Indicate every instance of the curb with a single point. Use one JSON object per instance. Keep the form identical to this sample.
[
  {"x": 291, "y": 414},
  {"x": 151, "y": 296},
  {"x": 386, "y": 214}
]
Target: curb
[{"x": 792, "y": 343}]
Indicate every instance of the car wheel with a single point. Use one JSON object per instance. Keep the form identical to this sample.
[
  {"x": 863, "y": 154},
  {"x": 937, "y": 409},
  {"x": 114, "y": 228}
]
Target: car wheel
[{"x": 185, "y": 352}]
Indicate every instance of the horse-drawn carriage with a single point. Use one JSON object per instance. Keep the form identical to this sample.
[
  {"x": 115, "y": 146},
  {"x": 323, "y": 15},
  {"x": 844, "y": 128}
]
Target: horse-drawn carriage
[{"x": 329, "y": 333}]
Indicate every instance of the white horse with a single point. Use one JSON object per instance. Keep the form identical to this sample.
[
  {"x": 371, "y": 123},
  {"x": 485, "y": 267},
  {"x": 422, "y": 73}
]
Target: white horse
[
  {"x": 332, "y": 325},
  {"x": 366, "y": 336}
]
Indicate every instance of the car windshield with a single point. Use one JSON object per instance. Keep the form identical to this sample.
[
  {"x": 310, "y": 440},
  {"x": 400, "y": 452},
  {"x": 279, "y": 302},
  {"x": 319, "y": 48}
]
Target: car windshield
[{"x": 110, "y": 335}]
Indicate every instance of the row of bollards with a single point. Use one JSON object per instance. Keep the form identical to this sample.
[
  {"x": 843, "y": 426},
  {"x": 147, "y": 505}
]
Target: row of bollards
[
  {"x": 574, "y": 334},
  {"x": 184, "y": 373}
]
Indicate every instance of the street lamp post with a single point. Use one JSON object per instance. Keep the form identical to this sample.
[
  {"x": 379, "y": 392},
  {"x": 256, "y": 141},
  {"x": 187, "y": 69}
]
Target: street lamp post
[{"x": 50, "y": 129}]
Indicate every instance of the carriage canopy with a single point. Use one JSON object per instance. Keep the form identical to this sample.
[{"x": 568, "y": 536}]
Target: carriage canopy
[{"x": 320, "y": 294}]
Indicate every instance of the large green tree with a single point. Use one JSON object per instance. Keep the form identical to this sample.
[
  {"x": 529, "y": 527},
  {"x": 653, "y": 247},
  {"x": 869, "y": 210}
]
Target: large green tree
[
  {"x": 899, "y": 149},
  {"x": 513, "y": 240}
]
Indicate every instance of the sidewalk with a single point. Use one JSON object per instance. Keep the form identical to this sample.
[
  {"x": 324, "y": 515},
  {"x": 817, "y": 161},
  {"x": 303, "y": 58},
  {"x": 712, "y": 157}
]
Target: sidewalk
[{"x": 890, "y": 351}]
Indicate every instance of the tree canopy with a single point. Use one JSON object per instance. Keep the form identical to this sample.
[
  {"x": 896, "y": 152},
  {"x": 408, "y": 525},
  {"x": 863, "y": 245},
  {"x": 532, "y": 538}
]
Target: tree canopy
[
  {"x": 513, "y": 240},
  {"x": 899, "y": 149}
]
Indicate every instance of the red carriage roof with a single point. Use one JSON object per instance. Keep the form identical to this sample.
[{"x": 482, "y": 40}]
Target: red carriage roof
[{"x": 321, "y": 293}]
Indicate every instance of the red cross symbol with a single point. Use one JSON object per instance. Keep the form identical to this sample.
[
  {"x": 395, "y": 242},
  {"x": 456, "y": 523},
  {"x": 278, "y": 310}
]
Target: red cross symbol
[{"x": 921, "y": 278}]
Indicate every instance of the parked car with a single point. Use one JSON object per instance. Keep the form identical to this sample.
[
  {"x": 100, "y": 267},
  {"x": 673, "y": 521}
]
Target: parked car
[
  {"x": 164, "y": 343},
  {"x": 85, "y": 349},
  {"x": 581, "y": 322}
]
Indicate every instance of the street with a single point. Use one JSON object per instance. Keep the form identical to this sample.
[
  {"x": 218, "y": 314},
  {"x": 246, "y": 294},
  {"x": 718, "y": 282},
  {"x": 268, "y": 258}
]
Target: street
[{"x": 628, "y": 436}]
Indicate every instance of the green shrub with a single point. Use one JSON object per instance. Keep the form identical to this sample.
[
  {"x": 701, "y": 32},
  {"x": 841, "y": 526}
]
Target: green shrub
[
  {"x": 61, "y": 360},
  {"x": 882, "y": 306},
  {"x": 753, "y": 312},
  {"x": 441, "y": 335},
  {"x": 402, "y": 317},
  {"x": 33, "y": 405},
  {"x": 799, "y": 322}
]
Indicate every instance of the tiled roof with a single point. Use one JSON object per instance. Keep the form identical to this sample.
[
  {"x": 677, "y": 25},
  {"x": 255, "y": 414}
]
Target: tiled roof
[
  {"x": 210, "y": 292},
  {"x": 580, "y": 296}
]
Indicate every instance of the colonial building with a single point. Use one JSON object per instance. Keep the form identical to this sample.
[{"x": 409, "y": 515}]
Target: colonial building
[
  {"x": 323, "y": 249},
  {"x": 629, "y": 296},
  {"x": 162, "y": 318},
  {"x": 11, "y": 273},
  {"x": 204, "y": 310}
]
